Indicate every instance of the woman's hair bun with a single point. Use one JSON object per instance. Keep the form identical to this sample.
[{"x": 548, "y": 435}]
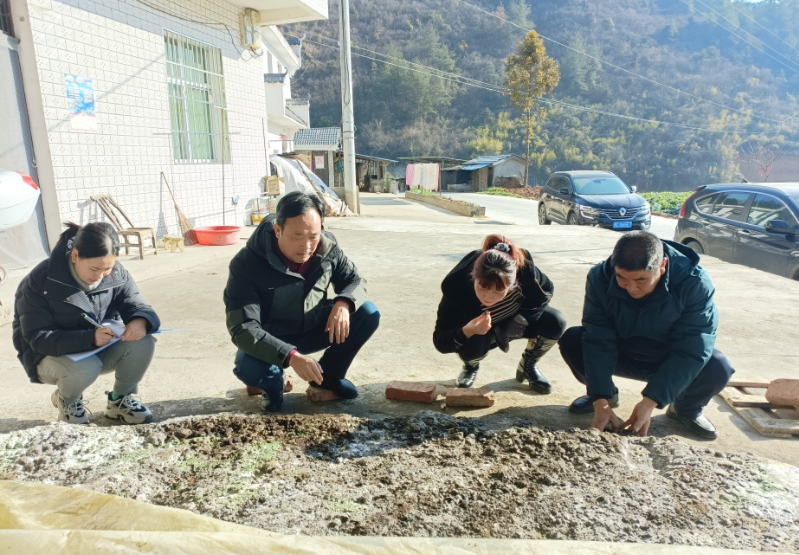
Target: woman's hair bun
[{"x": 502, "y": 247}]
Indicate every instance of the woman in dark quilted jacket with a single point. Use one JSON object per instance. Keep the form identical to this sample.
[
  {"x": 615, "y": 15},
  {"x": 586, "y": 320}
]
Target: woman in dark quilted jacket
[
  {"x": 79, "y": 314},
  {"x": 493, "y": 296}
]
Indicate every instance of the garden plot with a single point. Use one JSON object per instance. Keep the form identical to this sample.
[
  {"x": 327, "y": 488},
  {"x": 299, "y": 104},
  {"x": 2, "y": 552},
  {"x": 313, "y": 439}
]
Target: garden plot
[{"x": 424, "y": 475}]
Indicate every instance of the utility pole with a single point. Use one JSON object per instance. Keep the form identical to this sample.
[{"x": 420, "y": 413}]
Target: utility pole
[{"x": 347, "y": 115}]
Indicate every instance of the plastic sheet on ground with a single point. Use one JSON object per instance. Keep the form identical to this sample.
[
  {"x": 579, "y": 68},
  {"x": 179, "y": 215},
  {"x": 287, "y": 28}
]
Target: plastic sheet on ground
[
  {"x": 44, "y": 519},
  {"x": 298, "y": 177}
]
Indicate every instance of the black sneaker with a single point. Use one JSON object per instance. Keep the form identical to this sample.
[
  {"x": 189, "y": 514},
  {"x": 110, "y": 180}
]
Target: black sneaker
[
  {"x": 699, "y": 426},
  {"x": 468, "y": 374},
  {"x": 584, "y": 404}
]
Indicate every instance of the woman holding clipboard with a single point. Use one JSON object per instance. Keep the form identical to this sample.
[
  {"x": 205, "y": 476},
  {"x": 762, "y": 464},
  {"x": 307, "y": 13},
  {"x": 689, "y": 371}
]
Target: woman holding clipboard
[{"x": 58, "y": 310}]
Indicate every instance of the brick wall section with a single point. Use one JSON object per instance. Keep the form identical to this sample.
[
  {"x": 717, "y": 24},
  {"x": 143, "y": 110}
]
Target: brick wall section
[
  {"x": 457, "y": 206},
  {"x": 119, "y": 45}
]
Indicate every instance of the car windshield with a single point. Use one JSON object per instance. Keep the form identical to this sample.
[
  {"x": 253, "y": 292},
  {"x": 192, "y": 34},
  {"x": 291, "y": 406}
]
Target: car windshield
[{"x": 600, "y": 186}]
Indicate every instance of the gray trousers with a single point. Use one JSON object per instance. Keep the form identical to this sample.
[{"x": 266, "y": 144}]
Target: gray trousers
[{"x": 128, "y": 359}]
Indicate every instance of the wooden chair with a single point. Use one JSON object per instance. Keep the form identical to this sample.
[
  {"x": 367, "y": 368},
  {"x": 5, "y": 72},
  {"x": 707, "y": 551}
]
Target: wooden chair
[{"x": 109, "y": 207}]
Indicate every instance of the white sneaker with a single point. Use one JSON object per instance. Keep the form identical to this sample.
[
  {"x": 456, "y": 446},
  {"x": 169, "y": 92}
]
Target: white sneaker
[
  {"x": 74, "y": 413},
  {"x": 128, "y": 409}
]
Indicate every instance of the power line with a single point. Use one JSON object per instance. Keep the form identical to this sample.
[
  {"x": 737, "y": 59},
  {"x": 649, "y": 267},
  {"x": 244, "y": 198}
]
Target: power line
[
  {"x": 753, "y": 20},
  {"x": 623, "y": 69},
  {"x": 493, "y": 88},
  {"x": 740, "y": 37}
]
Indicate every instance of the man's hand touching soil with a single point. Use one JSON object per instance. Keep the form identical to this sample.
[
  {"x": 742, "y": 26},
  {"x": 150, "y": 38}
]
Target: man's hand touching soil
[{"x": 306, "y": 368}]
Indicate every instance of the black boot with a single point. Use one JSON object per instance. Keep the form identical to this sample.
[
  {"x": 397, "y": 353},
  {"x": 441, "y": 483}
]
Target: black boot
[
  {"x": 527, "y": 369},
  {"x": 469, "y": 373}
]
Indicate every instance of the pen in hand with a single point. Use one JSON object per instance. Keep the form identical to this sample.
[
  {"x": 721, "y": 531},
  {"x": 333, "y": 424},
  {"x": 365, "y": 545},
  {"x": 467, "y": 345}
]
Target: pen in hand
[{"x": 102, "y": 336}]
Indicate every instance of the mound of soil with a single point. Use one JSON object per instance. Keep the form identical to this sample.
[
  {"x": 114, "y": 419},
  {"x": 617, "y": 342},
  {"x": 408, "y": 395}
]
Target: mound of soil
[{"x": 424, "y": 475}]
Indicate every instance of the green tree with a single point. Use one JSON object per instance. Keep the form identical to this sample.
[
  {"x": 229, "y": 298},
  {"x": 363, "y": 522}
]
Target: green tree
[
  {"x": 492, "y": 137},
  {"x": 529, "y": 74}
]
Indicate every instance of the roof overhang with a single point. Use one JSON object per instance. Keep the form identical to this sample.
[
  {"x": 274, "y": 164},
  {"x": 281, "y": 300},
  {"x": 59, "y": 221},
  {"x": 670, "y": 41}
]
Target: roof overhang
[
  {"x": 285, "y": 121},
  {"x": 282, "y": 12},
  {"x": 276, "y": 43}
]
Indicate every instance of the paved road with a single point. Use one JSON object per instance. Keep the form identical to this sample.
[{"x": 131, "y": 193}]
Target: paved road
[{"x": 525, "y": 212}]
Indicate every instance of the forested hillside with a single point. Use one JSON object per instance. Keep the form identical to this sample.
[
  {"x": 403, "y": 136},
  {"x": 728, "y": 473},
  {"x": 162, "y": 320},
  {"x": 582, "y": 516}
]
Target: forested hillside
[{"x": 676, "y": 61}]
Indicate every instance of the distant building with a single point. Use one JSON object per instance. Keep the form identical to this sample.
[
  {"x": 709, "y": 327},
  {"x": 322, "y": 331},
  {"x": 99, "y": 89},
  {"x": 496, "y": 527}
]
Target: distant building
[
  {"x": 285, "y": 115},
  {"x": 503, "y": 170},
  {"x": 322, "y": 144}
]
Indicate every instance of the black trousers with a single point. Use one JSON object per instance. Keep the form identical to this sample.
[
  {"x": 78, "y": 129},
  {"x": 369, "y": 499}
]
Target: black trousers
[
  {"x": 710, "y": 381},
  {"x": 550, "y": 325}
]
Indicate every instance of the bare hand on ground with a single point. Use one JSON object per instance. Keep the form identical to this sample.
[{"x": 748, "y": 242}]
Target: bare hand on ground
[
  {"x": 135, "y": 330},
  {"x": 306, "y": 368},
  {"x": 641, "y": 417},
  {"x": 102, "y": 337},
  {"x": 479, "y": 326},
  {"x": 338, "y": 324},
  {"x": 604, "y": 416}
]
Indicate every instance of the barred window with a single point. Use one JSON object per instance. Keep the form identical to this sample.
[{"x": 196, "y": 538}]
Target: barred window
[
  {"x": 197, "y": 104},
  {"x": 5, "y": 18}
]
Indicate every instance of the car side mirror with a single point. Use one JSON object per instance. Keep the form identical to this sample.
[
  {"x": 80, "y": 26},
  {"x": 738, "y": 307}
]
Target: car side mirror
[
  {"x": 565, "y": 191},
  {"x": 633, "y": 188},
  {"x": 780, "y": 227}
]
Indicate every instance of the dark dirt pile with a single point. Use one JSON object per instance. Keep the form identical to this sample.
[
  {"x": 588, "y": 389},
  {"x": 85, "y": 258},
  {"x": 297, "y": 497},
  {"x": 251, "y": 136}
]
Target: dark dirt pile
[{"x": 425, "y": 475}]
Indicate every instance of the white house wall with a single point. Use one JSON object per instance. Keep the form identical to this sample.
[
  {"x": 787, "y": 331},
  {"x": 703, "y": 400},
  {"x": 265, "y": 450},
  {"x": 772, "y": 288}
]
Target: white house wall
[
  {"x": 120, "y": 45},
  {"x": 509, "y": 168}
]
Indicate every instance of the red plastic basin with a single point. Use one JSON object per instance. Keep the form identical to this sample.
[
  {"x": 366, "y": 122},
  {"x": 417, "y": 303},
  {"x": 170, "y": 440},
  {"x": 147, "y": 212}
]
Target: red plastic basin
[{"x": 218, "y": 234}]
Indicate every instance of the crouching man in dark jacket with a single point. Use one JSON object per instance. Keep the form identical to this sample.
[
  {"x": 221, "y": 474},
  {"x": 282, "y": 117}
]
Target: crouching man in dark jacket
[
  {"x": 277, "y": 307},
  {"x": 649, "y": 315}
]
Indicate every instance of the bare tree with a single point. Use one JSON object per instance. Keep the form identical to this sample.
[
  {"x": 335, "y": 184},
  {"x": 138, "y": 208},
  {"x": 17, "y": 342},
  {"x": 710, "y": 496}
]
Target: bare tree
[{"x": 761, "y": 157}]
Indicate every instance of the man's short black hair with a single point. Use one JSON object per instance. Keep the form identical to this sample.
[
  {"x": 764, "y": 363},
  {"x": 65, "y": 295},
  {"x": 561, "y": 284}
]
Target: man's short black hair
[
  {"x": 296, "y": 204},
  {"x": 636, "y": 251}
]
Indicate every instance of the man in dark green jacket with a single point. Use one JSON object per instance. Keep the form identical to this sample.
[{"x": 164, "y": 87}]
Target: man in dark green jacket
[
  {"x": 649, "y": 315},
  {"x": 277, "y": 307}
]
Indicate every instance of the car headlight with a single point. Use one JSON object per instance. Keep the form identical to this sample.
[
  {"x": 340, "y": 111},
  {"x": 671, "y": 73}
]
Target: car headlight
[
  {"x": 588, "y": 212},
  {"x": 646, "y": 210}
]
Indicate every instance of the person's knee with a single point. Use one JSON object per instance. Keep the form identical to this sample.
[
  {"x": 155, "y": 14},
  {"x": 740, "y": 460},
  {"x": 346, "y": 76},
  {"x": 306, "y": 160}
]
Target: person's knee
[
  {"x": 718, "y": 369},
  {"x": 556, "y": 326},
  {"x": 571, "y": 340},
  {"x": 370, "y": 315},
  {"x": 257, "y": 373},
  {"x": 476, "y": 348},
  {"x": 144, "y": 346}
]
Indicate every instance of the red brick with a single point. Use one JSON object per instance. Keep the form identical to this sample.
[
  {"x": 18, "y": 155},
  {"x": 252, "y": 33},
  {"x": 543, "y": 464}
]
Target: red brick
[
  {"x": 783, "y": 392},
  {"x": 411, "y": 391},
  {"x": 462, "y": 397},
  {"x": 317, "y": 394}
]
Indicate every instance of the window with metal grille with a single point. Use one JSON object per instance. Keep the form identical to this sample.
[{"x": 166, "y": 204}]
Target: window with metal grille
[
  {"x": 197, "y": 104},
  {"x": 5, "y": 18}
]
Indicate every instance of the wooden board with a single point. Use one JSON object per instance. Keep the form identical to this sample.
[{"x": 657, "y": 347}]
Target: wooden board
[{"x": 769, "y": 420}]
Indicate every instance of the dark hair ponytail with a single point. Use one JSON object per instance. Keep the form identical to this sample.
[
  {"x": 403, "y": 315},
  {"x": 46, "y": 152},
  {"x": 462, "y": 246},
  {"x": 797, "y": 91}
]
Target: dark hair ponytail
[
  {"x": 496, "y": 267},
  {"x": 94, "y": 240}
]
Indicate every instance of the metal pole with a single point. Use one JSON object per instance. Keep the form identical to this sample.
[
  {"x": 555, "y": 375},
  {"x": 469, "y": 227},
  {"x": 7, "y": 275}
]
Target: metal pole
[{"x": 347, "y": 115}]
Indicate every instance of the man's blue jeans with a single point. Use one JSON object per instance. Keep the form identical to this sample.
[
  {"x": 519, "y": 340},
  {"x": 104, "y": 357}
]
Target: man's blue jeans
[{"x": 334, "y": 362}]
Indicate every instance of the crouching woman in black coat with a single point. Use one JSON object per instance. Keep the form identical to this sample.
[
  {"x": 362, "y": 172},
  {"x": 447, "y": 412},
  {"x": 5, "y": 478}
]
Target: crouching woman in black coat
[
  {"x": 58, "y": 309},
  {"x": 493, "y": 296}
]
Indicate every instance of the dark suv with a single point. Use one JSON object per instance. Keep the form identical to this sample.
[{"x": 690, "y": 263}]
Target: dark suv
[
  {"x": 753, "y": 225},
  {"x": 592, "y": 198}
]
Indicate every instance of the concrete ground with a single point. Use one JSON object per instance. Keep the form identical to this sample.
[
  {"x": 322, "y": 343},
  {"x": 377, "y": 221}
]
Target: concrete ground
[{"x": 405, "y": 249}]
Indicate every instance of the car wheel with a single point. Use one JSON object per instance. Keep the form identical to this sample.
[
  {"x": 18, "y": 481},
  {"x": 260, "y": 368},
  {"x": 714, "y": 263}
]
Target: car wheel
[
  {"x": 572, "y": 219},
  {"x": 542, "y": 214},
  {"x": 695, "y": 246}
]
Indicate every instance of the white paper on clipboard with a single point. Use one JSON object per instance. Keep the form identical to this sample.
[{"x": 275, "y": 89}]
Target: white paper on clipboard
[{"x": 115, "y": 325}]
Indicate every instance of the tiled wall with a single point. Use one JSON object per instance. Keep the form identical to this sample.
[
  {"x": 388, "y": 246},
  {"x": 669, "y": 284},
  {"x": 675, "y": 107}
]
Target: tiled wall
[{"x": 119, "y": 45}]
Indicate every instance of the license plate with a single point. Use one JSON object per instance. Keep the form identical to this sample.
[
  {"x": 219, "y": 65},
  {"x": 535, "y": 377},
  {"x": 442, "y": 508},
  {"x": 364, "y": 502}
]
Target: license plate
[{"x": 622, "y": 225}]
